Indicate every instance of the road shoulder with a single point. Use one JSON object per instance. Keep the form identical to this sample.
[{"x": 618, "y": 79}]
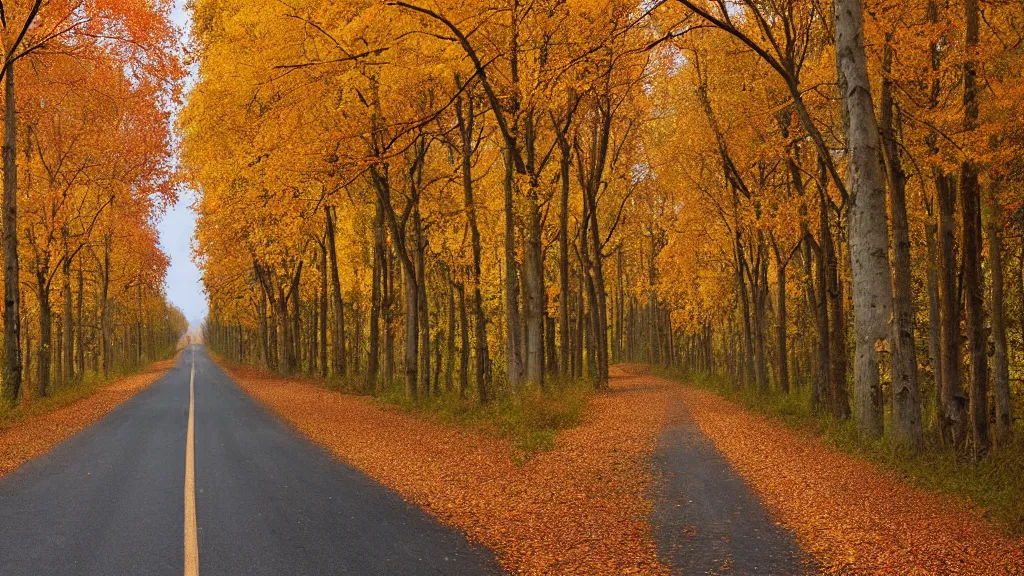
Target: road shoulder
[{"x": 37, "y": 434}]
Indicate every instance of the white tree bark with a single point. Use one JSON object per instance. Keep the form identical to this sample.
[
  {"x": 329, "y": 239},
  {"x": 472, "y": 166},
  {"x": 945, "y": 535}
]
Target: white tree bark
[{"x": 869, "y": 238}]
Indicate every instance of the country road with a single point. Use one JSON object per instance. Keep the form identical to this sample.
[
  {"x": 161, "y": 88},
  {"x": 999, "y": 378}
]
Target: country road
[{"x": 113, "y": 499}]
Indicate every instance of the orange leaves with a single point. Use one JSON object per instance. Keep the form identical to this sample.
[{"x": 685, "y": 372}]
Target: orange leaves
[{"x": 579, "y": 509}]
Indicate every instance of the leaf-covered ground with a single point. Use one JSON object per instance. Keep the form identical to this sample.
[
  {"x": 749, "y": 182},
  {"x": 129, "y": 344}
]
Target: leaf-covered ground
[
  {"x": 852, "y": 516},
  {"x": 37, "y": 433},
  {"x": 581, "y": 508}
]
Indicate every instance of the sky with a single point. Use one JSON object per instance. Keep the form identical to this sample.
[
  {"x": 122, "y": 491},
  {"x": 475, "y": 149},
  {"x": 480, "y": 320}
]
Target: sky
[{"x": 184, "y": 288}]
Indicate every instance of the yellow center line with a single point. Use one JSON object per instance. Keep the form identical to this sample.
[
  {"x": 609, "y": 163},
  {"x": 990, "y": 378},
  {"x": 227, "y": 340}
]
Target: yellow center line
[{"x": 191, "y": 545}]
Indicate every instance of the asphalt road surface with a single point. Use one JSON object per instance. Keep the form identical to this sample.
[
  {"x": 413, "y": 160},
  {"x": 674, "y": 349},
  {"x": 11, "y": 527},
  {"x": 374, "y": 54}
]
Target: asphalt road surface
[
  {"x": 114, "y": 499},
  {"x": 706, "y": 519}
]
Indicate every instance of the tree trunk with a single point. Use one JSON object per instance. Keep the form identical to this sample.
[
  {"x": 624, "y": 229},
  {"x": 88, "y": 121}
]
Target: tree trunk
[
  {"x": 314, "y": 329},
  {"x": 80, "y": 336},
  {"x": 466, "y": 120},
  {"x": 1000, "y": 362},
  {"x": 409, "y": 273},
  {"x": 388, "y": 276},
  {"x": 68, "y": 331},
  {"x": 412, "y": 341},
  {"x": 449, "y": 373},
  {"x": 760, "y": 296},
  {"x": 376, "y": 294},
  {"x": 338, "y": 327},
  {"x": 619, "y": 305},
  {"x": 952, "y": 419},
  {"x": 464, "y": 342},
  {"x": 45, "y": 334},
  {"x": 261, "y": 313},
  {"x": 323, "y": 312},
  {"x": 832, "y": 297},
  {"x": 12, "y": 296},
  {"x": 905, "y": 428},
  {"x": 513, "y": 364},
  {"x": 781, "y": 321},
  {"x": 563, "y": 259},
  {"x": 593, "y": 317},
  {"x": 533, "y": 286},
  {"x": 869, "y": 236},
  {"x": 296, "y": 347},
  {"x": 106, "y": 337},
  {"x": 357, "y": 342},
  {"x": 423, "y": 315},
  {"x": 934, "y": 318},
  {"x": 58, "y": 355},
  {"x": 748, "y": 341},
  {"x": 549, "y": 344},
  {"x": 974, "y": 281},
  {"x": 578, "y": 331},
  {"x": 600, "y": 294},
  {"x": 284, "y": 358}
]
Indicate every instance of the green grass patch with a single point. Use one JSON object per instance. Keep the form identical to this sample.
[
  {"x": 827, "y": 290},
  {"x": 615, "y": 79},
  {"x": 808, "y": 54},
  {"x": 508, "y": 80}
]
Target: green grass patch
[
  {"x": 995, "y": 484},
  {"x": 529, "y": 418}
]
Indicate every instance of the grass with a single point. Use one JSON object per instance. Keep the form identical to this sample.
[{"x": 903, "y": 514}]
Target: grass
[
  {"x": 530, "y": 418},
  {"x": 995, "y": 484},
  {"x": 62, "y": 394}
]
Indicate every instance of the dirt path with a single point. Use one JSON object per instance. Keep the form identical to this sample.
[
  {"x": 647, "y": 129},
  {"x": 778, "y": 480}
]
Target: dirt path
[{"x": 38, "y": 433}]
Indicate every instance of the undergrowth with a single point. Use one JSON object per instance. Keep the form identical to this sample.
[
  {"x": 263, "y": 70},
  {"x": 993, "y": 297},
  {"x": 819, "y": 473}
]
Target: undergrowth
[
  {"x": 995, "y": 484},
  {"x": 529, "y": 418}
]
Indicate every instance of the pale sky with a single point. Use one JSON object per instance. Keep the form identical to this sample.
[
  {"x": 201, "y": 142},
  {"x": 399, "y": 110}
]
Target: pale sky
[{"x": 184, "y": 288}]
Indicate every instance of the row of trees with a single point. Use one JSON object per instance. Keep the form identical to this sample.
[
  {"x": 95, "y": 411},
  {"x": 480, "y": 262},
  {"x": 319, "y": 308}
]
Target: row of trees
[
  {"x": 777, "y": 272},
  {"x": 460, "y": 177},
  {"x": 87, "y": 169},
  {"x": 555, "y": 186}
]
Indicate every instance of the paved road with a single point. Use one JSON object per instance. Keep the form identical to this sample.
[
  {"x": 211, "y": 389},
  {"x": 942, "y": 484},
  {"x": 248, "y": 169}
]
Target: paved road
[
  {"x": 706, "y": 519},
  {"x": 110, "y": 500}
]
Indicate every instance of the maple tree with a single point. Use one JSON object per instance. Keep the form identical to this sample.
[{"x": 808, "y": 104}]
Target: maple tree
[{"x": 482, "y": 198}]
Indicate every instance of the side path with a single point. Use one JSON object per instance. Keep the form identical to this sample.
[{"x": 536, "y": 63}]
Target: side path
[
  {"x": 853, "y": 517},
  {"x": 706, "y": 517}
]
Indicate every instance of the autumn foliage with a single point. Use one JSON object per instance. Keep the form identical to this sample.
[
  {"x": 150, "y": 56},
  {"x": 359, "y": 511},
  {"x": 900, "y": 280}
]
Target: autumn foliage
[
  {"x": 88, "y": 169},
  {"x": 471, "y": 198}
]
